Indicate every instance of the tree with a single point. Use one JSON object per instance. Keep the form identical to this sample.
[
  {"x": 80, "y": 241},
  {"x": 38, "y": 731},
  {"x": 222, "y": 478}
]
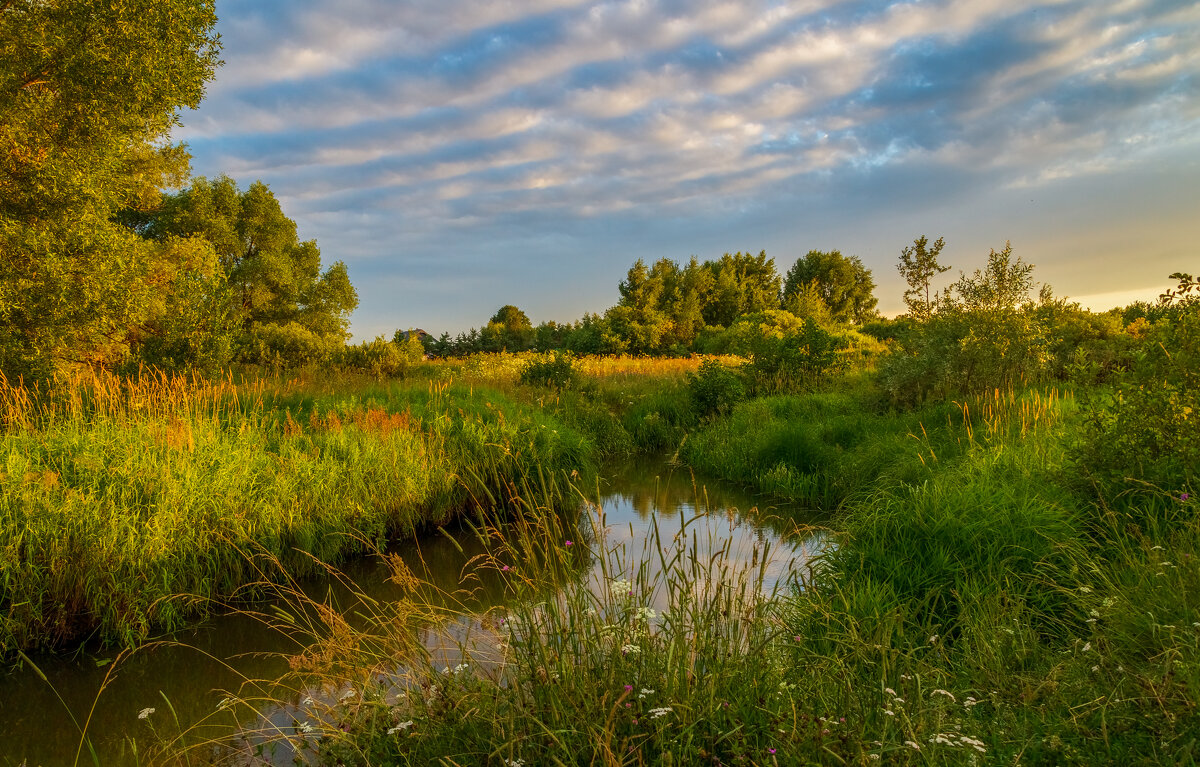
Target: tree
[
  {"x": 276, "y": 279},
  {"x": 842, "y": 283},
  {"x": 918, "y": 266},
  {"x": 741, "y": 284},
  {"x": 88, "y": 93},
  {"x": 509, "y": 328}
]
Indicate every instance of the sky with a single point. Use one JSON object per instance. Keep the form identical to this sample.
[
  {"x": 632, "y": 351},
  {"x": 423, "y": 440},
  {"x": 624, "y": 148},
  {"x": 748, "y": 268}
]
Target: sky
[{"x": 461, "y": 155}]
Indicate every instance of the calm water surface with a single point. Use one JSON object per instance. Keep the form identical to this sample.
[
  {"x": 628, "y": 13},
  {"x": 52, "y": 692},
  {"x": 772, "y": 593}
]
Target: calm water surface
[{"x": 187, "y": 675}]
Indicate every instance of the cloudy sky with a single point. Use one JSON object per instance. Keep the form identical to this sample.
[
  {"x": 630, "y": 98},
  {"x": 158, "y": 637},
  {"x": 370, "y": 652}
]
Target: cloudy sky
[{"x": 463, "y": 154}]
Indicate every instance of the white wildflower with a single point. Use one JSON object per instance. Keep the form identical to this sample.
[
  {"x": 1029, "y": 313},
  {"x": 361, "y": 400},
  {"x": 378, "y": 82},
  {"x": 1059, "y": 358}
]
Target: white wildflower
[
  {"x": 308, "y": 701},
  {"x": 912, "y": 744},
  {"x": 1087, "y": 646},
  {"x": 889, "y": 690},
  {"x": 145, "y": 712},
  {"x": 645, "y": 614},
  {"x": 349, "y": 694},
  {"x": 514, "y": 762},
  {"x": 305, "y": 728},
  {"x": 622, "y": 587},
  {"x": 631, "y": 649},
  {"x": 1085, "y": 589},
  {"x": 947, "y": 693},
  {"x": 645, "y": 691},
  {"x": 657, "y": 712},
  {"x": 973, "y": 743},
  {"x": 933, "y": 639},
  {"x": 400, "y": 727},
  {"x": 889, "y": 712}
]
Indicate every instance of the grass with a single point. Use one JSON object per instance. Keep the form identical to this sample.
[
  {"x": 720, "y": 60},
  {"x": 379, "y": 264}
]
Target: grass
[
  {"x": 984, "y": 602},
  {"x": 127, "y": 505}
]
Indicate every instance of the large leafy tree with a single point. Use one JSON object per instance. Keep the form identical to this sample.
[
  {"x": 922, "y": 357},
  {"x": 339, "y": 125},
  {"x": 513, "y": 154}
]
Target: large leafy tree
[
  {"x": 274, "y": 278},
  {"x": 88, "y": 93},
  {"x": 841, "y": 282}
]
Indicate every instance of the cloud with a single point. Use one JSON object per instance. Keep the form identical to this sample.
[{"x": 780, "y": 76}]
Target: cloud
[{"x": 492, "y": 124}]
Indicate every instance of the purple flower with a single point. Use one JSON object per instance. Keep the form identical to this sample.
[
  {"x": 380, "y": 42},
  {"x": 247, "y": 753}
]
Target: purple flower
[
  {"x": 570, "y": 543},
  {"x": 798, "y": 638},
  {"x": 628, "y": 688},
  {"x": 1184, "y": 497},
  {"x": 505, "y": 569},
  {"x": 770, "y": 750}
]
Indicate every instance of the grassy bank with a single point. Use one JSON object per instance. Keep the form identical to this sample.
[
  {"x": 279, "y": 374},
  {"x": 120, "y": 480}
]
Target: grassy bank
[
  {"x": 128, "y": 504},
  {"x": 985, "y": 603}
]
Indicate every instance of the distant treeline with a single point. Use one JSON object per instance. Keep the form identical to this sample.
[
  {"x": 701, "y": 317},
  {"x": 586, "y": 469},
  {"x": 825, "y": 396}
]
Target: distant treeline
[{"x": 671, "y": 309}]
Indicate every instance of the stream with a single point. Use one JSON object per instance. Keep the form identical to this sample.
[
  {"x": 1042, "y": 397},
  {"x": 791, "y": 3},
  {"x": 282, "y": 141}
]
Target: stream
[{"x": 184, "y": 677}]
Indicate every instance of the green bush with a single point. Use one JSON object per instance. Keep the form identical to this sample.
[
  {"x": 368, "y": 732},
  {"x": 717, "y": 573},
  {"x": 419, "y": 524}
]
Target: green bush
[
  {"x": 795, "y": 361},
  {"x": 1145, "y": 430},
  {"x": 555, "y": 372},
  {"x": 714, "y": 388}
]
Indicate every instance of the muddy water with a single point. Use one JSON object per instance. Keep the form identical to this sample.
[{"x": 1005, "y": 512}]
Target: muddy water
[{"x": 185, "y": 677}]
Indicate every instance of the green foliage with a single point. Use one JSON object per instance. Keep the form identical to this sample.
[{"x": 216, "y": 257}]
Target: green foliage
[
  {"x": 984, "y": 335},
  {"x": 88, "y": 95},
  {"x": 841, "y": 283},
  {"x": 289, "y": 345},
  {"x": 557, "y": 371},
  {"x": 795, "y": 360},
  {"x": 1143, "y": 433},
  {"x": 381, "y": 358},
  {"x": 285, "y": 304},
  {"x": 714, "y": 388},
  {"x": 918, "y": 266}
]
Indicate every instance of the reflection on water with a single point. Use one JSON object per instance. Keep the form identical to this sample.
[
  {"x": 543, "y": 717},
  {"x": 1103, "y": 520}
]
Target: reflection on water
[{"x": 184, "y": 678}]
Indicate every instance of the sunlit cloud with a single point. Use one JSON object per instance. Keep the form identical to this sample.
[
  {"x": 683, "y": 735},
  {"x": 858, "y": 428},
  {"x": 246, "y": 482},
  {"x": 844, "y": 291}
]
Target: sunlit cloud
[{"x": 611, "y": 127}]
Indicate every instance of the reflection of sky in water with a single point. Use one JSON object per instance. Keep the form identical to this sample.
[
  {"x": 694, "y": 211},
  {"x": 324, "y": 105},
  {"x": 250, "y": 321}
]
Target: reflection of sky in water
[{"x": 707, "y": 519}]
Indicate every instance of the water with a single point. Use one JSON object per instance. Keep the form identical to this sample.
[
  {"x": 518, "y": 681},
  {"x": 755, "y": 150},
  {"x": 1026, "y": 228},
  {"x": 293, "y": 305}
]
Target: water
[{"x": 185, "y": 677}]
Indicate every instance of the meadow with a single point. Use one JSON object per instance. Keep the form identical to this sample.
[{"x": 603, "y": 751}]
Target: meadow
[{"x": 996, "y": 592}]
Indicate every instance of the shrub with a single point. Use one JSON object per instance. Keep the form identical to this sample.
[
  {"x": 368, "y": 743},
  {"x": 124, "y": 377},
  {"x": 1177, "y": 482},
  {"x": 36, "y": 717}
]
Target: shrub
[
  {"x": 795, "y": 361},
  {"x": 714, "y": 388},
  {"x": 555, "y": 372}
]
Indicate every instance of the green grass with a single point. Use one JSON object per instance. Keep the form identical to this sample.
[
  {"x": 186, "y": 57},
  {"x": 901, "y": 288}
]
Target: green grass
[
  {"x": 126, "y": 509},
  {"x": 979, "y": 607}
]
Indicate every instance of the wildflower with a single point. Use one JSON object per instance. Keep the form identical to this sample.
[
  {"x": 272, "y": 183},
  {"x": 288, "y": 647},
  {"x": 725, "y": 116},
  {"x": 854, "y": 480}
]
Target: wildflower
[
  {"x": 622, "y": 586},
  {"x": 145, "y": 712},
  {"x": 505, "y": 569},
  {"x": 570, "y": 543},
  {"x": 973, "y": 743},
  {"x": 645, "y": 691},
  {"x": 933, "y": 639},
  {"x": 514, "y": 762},
  {"x": 798, "y": 638},
  {"x": 630, "y": 649},
  {"x": 657, "y": 712},
  {"x": 348, "y": 694},
  {"x": 912, "y": 744},
  {"x": 1087, "y": 647},
  {"x": 770, "y": 750},
  {"x": 943, "y": 692},
  {"x": 873, "y": 757},
  {"x": 889, "y": 690},
  {"x": 400, "y": 727},
  {"x": 889, "y": 712},
  {"x": 305, "y": 728},
  {"x": 1184, "y": 496},
  {"x": 628, "y": 688},
  {"x": 645, "y": 614}
]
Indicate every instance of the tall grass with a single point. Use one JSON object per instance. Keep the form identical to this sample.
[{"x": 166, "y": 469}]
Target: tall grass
[
  {"x": 127, "y": 504},
  {"x": 669, "y": 652}
]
